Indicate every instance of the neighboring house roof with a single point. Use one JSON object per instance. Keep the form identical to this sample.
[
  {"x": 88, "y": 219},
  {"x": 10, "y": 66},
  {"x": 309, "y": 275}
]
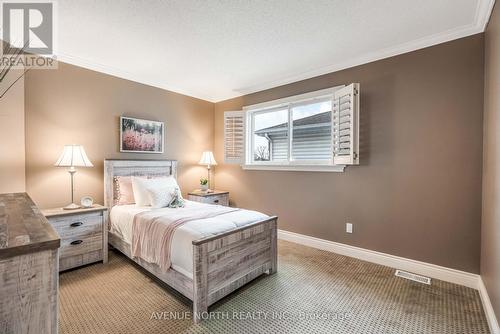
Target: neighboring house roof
[{"x": 315, "y": 120}]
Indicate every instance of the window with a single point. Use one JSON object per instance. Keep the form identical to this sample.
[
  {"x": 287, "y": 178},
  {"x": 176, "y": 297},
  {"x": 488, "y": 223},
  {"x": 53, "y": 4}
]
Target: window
[
  {"x": 313, "y": 131},
  {"x": 270, "y": 136}
]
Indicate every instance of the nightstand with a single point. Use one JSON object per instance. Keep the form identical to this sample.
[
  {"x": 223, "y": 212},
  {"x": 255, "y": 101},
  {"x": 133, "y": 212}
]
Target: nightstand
[
  {"x": 84, "y": 235},
  {"x": 214, "y": 197}
]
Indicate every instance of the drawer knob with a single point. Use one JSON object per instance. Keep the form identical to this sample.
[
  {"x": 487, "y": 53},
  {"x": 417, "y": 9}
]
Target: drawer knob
[
  {"x": 76, "y": 224},
  {"x": 216, "y": 201},
  {"x": 76, "y": 242}
]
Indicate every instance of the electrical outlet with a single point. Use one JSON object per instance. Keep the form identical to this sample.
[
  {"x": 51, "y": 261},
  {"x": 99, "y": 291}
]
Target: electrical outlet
[{"x": 348, "y": 227}]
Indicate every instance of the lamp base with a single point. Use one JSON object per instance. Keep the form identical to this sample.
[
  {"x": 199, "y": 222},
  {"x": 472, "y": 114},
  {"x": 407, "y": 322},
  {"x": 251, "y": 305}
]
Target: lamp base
[{"x": 71, "y": 206}]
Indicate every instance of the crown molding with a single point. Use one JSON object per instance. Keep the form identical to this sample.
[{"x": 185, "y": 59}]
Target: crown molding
[
  {"x": 483, "y": 13},
  {"x": 127, "y": 75},
  {"x": 481, "y": 17}
]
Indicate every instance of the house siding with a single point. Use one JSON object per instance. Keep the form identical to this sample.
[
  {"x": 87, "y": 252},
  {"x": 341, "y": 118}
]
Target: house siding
[{"x": 307, "y": 145}]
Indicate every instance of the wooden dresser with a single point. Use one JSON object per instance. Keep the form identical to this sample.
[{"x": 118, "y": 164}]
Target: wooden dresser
[
  {"x": 29, "y": 275},
  {"x": 215, "y": 197},
  {"x": 83, "y": 232}
]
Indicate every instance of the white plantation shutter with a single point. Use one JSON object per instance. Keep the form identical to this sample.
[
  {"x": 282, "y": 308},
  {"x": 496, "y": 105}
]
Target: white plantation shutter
[
  {"x": 234, "y": 137},
  {"x": 346, "y": 125}
]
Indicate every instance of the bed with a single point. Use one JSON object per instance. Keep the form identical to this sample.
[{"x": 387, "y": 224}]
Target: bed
[{"x": 209, "y": 258}]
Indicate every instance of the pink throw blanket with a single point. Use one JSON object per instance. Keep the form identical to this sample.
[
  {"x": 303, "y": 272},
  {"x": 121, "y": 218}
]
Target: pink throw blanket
[{"x": 152, "y": 231}]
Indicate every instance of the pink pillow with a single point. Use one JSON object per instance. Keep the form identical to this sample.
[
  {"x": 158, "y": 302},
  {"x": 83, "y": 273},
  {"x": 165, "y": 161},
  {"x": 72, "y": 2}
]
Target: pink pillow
[{"x": 123, "y": 190}]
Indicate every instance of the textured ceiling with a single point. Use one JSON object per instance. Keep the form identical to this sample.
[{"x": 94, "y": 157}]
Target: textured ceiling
[{"x": 215, "y": 50}]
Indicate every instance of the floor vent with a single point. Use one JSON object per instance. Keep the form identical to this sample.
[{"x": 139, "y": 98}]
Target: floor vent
[{"x": 413, "y": 277}]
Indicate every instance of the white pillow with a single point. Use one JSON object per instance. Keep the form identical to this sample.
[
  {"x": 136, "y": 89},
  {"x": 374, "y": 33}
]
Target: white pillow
[
  {"x": 160, "y": 196},
  {"x": 140, "y": 186},
  {"x": 171, "y": 181}
]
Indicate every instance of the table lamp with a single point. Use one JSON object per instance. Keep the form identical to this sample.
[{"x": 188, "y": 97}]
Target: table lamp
[
  {"x": 207, "y": 158},
  {"x": 73, "y": 156}
]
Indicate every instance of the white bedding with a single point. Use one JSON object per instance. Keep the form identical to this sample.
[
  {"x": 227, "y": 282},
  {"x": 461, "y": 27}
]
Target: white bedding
[{"x": 122, "y": 217}]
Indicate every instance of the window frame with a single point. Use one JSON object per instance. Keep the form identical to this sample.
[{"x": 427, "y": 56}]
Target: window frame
[
  {"x": 250, "y": 132},
  {"x": 288, "y": 103}
]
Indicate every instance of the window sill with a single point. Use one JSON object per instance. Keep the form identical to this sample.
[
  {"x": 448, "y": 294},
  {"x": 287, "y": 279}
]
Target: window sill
[{"x": 297, "y": 168}]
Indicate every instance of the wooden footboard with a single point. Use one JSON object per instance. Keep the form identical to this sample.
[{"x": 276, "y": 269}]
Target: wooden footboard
[
  {"x": 225, "y": 262},
  {"x": 221, "y": 263}
]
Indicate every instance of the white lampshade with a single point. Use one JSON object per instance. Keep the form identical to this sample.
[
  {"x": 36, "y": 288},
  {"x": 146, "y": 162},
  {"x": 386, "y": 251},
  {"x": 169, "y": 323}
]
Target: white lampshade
[
  {"x": 73, "y": 156},
  {"x": 207, "y": 158}
]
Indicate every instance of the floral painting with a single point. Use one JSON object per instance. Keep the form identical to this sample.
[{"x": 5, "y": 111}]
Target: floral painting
[{"x": 140, "y": 135}]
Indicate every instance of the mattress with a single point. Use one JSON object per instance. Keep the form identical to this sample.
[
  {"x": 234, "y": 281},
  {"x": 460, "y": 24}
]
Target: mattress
[{"x": 181, "y": 252}]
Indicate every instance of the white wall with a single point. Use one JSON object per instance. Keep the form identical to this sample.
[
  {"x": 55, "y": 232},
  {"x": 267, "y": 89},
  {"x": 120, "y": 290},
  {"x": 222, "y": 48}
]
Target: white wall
[{"x": 12, "y": 154}]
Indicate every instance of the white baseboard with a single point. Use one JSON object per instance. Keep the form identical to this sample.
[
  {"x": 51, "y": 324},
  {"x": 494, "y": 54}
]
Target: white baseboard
[
  {"x": 422, "y": 268},
  {"x": 488, "y": 308}
]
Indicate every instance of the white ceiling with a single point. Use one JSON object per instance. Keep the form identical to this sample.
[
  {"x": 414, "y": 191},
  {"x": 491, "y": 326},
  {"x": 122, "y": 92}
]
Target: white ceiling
[{"x": 218, "y": 49}]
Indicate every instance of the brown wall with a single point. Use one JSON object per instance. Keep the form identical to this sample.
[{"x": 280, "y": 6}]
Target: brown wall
[
  {"x": 12, "y": 173},
  {"x": 490, "y": 242},
  {"x": 75, "y": 105},
  {"x": 417, "y": 192}
]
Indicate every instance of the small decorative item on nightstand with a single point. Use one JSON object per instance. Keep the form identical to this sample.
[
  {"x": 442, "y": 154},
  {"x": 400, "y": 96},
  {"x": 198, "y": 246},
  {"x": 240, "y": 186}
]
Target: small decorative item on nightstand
[
  {"x": 215, "y": 197},
  {"x": 87, "y": 202},
  {"x": 204, "y": 184},
  {"x": 83, "y": 233}
]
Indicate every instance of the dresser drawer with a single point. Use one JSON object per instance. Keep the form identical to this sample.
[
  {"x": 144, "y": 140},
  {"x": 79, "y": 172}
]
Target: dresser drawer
[
  {"x": 80, "y": 259},
  {"x": 77, "y": 225},
  {"x": 220, "y": 198},
  {"x": 80, "y": 245},
  {"x": 83, "y": 233},
  {"x": 217, "y": 199}
]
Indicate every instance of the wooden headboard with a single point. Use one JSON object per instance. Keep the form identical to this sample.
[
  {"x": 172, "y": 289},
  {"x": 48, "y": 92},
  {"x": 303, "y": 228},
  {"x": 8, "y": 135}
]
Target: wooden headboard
[{"x": 152, "y": 168}]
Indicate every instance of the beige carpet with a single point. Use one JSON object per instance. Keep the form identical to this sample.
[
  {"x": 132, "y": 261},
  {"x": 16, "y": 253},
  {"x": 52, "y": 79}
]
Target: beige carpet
[{"x": 313, "y": 292}]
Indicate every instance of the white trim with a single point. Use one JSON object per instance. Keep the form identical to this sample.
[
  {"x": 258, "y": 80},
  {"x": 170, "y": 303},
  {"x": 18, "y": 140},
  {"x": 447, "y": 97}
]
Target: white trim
[
  {"x": 124, "y": 74},
  {"x": 296, "y": 168},
  {"x": 284, "y": 102},
  {"x": 470, "y": 280},
  {"x": 323, "y": 95},
  {"x": 488, "y": 308},
  {"x": 483, "y": 12},
  {"x": 422, "y": 268}
]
